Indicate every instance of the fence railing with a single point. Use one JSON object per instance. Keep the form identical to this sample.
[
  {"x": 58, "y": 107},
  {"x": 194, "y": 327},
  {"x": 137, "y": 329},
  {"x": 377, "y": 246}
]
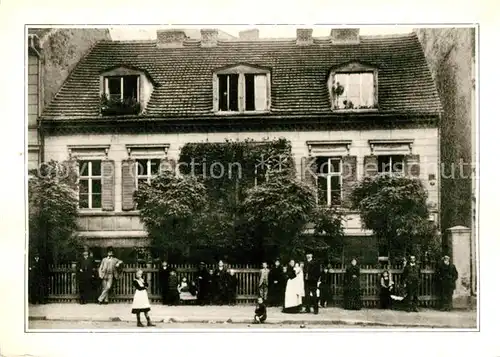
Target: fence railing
[{"x": 63, "y": 284}]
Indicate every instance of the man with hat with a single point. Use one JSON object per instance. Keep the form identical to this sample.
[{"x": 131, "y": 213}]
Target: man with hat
[
  {"x": 275, "y": 283},
  {"x": 312, "y": 273},
  {"x": 202, "y": 281},
  {"x": 411, "y": 281},
  {"x": 85, "y": 273},
  {"x": 447, "y": 276},
  {"x": 108, "y": 271}
]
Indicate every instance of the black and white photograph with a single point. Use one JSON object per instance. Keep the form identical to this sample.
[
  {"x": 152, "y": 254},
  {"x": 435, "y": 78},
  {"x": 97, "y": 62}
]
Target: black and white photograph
[{"x": 251, "y": 177}]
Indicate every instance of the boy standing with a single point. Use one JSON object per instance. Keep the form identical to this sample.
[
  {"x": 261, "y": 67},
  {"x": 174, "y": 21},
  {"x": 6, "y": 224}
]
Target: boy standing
[{"x": 264, "y": 281}]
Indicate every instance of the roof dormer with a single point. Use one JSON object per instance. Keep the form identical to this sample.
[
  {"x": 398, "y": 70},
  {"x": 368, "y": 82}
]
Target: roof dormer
[
  {"x": 353, "y": 86},
  {"x": 124, "y": 91},
  {"x": 242, "y": 88}
]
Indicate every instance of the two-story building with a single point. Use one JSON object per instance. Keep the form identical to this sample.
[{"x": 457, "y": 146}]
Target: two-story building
[{"x": 361, "y": 104}]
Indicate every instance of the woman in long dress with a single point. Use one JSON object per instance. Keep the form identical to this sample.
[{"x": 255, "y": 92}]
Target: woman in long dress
[
  {"x": 352, "y": 287},
  {"x": 294, "y": 289},
  {"x": 141, "y": 299}
]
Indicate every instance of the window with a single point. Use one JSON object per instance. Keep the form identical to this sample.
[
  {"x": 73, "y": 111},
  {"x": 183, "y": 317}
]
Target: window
[
  {"x": 392, "y": 164},
  {"x": 354, "y": 90},
  {"x": 90, "y": 184},
  {"x": 329, "y": 180},
  {"x": 241, "y": 89},
  {"x": 261, "y": 174},
  {"x": 122, "y": 88},
  {"x": 146, "y": 169}
]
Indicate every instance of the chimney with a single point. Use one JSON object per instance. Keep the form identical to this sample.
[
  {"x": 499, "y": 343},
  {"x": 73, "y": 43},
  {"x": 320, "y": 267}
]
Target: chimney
[
  {"x": 209, "y": 37},
  {"x": 304, "y": 37},
  {"x": 170, "y": 38},
  {"x": 249, "y": 35},
  {"x": 345, "y": 36}
]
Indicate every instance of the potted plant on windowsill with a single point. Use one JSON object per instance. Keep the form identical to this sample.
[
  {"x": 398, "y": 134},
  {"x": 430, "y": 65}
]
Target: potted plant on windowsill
[{"x": 125, "y": 106}]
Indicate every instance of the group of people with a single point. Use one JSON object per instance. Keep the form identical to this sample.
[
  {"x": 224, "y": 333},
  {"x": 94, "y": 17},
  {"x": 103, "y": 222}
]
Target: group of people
[
  {"x": 296, "y": 286},
  {"x": 208, "y": 286}
]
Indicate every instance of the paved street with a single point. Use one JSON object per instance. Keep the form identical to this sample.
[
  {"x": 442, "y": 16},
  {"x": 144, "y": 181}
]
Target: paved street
[
  {"x": 243, "y": 314},
  {"x": 63, "y": 325}
]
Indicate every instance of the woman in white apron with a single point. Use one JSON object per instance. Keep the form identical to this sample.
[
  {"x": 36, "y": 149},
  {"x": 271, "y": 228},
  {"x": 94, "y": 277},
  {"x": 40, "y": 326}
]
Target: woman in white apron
[
  {"x": 294, "y": 289},
  {"x": 141, "y": 299}
]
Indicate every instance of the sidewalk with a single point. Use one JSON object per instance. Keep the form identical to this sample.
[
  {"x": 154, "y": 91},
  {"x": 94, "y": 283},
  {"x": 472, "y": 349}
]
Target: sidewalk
[{"x": 244, "y": 314}]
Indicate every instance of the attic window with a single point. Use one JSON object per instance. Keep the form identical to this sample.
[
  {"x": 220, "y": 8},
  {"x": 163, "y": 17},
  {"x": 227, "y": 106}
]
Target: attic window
[
  {"x": 121, "y": 95},
  {"x": 241, "y": 89},
  {"x": 353, "y": 87}
]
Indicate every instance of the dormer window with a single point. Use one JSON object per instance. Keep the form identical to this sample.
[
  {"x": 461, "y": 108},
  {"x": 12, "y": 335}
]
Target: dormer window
[
  {"x": 353, "y": 87},
  {"x": 125, "y": 91},
  {"x": 241, "y": 89}
]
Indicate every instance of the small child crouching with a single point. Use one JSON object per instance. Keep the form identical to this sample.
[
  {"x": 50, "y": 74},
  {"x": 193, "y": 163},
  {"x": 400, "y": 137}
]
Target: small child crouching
[{"x": 260, "y": 312}]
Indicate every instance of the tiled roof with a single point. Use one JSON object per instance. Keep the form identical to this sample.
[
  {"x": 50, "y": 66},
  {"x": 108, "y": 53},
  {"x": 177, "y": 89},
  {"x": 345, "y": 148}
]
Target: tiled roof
[{"x": 298, "y": 75}]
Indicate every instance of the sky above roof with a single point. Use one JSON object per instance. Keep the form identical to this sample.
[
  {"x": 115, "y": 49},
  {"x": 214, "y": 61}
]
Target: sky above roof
[{"x": 265, "y": 31}]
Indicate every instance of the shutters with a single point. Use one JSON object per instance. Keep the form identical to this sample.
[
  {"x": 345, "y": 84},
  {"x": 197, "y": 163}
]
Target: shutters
[
  {"x": 412, "y": 166},
  {"x": 261, "y": 92},
  {"x": 308, "y": 173},
  {"x": 71, "y": 167},
  {"x": 108, "y": 185},
  {"x": 128, "y": 184},
  {"x": 370, "y": 166},
  {"x": 349, "y": 177}
]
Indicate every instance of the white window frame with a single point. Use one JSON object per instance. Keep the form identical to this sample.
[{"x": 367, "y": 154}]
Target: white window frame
[
  {"x": 348, "y": 69},
  {"x": 106, "y": 84},
  {"x": 329, "y": 176},
  {"x": 148, "y": 176},
  {"x": 89, "y": 179},
  {"x": 345, "y": 95},
  {"x": 241, "y": 70}
]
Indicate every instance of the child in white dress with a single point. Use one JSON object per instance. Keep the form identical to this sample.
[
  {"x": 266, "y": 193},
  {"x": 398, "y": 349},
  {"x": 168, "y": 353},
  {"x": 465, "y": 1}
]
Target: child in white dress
[{"x": 141, "y": 299}]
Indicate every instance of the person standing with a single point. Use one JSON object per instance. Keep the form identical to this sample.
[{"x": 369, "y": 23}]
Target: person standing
[
  {"x": 325, "y": 287},
  {"x": 108, "y": 271},
  {"x": 202, "y": 282},
  {"x": 411, "y": 282},
  {"x": 221, "y": 284},
  {"x": 275, "y": 282},
  {"x": 172, "y": 292},
  {"x": 352, "y": 286},
  {"x": 264, "y": 282},
  {"x": 294, "y": 289},
  {"x": 85, "y": 273},
  {"x": 141, "y": 299},
  {"x": 386, "y": 290},
  {"x": 163, "y": 276},
  {"x": 312, "y": 273},
  {"x": 232, "y": 286},
  {"x": 37, "y": 280},
  {"x": 447, "y": 276}
]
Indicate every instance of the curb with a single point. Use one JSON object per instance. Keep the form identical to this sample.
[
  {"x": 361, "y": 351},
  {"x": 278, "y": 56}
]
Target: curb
[{"x": 247, "y": 321}]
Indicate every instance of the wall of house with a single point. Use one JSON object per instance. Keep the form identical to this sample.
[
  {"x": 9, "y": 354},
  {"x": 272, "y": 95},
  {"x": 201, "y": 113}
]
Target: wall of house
[
  {"x": 450, "y": 53},
  {"x": 124, "y": 228},
  {"x": 33, "y": 107}
]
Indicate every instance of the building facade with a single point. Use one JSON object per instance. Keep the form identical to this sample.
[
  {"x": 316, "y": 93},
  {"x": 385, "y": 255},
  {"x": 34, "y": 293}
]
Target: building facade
[
  {"x": 360, "y": 104},
  {"x": 52, "y": 55}
]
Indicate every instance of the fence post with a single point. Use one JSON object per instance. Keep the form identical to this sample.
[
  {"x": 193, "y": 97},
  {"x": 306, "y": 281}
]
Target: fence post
[
  {"x": 149, "y": 275},
  {"x": 461, "y": 252},
  {"x": 73, "y": 279}
]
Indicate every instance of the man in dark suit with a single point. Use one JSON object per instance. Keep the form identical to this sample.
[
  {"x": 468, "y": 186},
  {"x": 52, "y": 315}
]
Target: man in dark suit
[
  {"x": 37, "y": 280},
  {"x": 85, "y": 273},
  {"x": 164, "y": 276},
  {"x": 202, "y": 282},
  {"x": 447, "y": 276},
  {"x": 312, "y": 273},
  {"x": 411, "y": 281}
]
